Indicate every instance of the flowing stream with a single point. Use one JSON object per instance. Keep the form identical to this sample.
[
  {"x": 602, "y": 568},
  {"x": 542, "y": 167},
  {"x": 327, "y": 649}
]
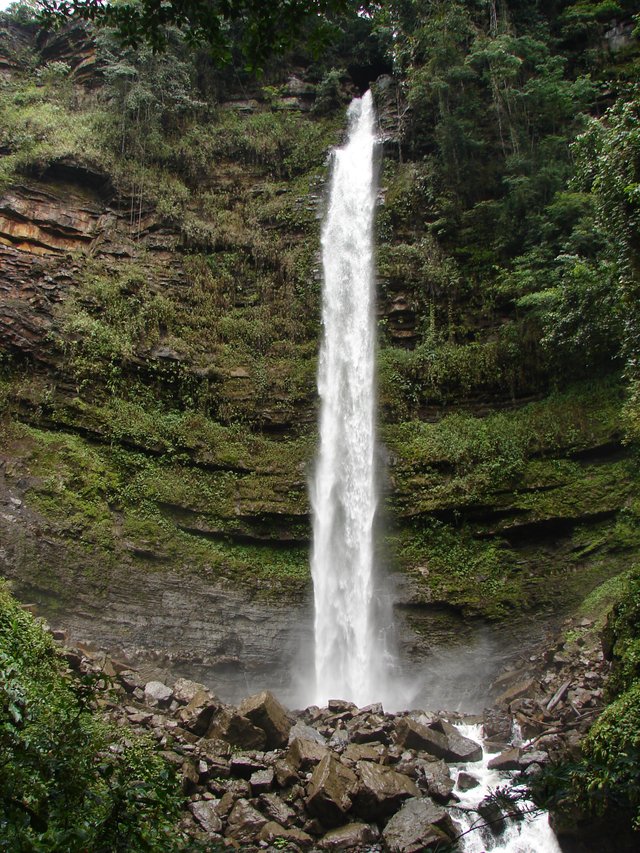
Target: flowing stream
[
  {"x": 529, "y": 834},
  {"x": 343, "y": 494}
]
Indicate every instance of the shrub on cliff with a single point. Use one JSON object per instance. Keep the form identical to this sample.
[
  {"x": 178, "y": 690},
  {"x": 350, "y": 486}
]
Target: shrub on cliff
[
  {"x": 609, "y": 777},
  {"x": 68, "y": 780}
]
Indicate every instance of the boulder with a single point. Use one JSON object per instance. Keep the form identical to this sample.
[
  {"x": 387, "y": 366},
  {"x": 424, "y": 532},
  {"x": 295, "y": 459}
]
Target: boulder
[
  {"x": 261, "y": 781},
  {"x": 244, "y": 766},
  {"x": 265, "y": 712},
  {"x": 334, "y": 717},
  {"x": 526, "y": 687},
  {"x": 276, "y": 809},
  {"x": 130, "y": 680},
  {"x": 507, "y": 760},
  {"x": 364, "y": 752},
  {"x": 239, "y": 787},
  {"x": 339, "y": 739},
  {"x": 271, "y": 832},
  {"x": 238, "y": 730},
  {"x": 376, "y": 708},
  {"x": 380, "y": 790},
  {"x": 304, "y": 754},
  {"x": 206, "y": 814},
  {"x": 157, "y": 694},
  {"x": 426, "y": 718},
  {"x": 341, "y": 706},
  {"x": 314, "y": 827},
  {"x": 172, "y": 757},
  {"x": 459, "y": 748},
  {"x": 139, "y": 718},
  {"x": 466, "y": 782},
  {"x": 493, "y": 816},
  {"x": 375, "y": 729},
  {"x": 411, "y": 734},
  {"x": 329, "y": 792},
  {"x": 285, "y": 774},
  {"x": 529, "y": 718},
  {"x": 419, "y": 825},
  {"x": 434, "y": 776},
  {"x": 214, "y": 754},
  {"x": 226, "y": 803},
  {"x": 197, "y": 715},
  {"x": 184, "y": 690},
  {"x": 535, "y": 756},
  {"x": 496, "y": 725},
  {"x": 350, "y": 836},
  {"x": 190, "y": 777},
  {"x": 304, "y": 732},
  {"x": 244, "y": 822}
]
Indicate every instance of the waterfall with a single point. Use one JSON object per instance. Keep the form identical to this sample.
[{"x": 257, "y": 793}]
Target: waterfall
[{"x": 348, "y": 656}]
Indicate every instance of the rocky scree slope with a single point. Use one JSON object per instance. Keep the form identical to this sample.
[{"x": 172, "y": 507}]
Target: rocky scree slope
[{"x": 257, "y": 776}]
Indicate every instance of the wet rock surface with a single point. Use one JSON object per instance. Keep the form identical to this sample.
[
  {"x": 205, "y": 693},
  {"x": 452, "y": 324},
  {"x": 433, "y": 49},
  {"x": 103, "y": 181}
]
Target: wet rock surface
[
  {"x": 248, "y": 787},
  {"x": 419, "y": 825},
  {"x": 552, "y": 697}
]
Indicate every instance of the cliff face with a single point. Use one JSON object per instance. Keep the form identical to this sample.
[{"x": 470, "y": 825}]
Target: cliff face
[{"x": 159, "y": 304}]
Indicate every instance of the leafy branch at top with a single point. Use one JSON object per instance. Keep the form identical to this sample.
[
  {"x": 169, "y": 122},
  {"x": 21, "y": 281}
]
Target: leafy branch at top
[{"x": 250, "y": 29}]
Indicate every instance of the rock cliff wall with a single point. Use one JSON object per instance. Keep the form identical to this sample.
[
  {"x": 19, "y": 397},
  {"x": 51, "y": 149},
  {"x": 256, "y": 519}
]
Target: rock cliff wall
[{"x": 159, "y": 323}]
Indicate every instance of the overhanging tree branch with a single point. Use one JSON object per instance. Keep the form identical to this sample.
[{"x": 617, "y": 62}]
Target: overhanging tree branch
[{"x": 256, "y": 28}]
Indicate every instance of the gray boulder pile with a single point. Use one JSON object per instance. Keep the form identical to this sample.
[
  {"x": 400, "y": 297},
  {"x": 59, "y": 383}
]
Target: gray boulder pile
[{"x": 257, "y": 776}]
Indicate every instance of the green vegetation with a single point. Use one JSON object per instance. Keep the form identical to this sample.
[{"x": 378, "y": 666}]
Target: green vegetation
[
  {"x": 39, "y": 123},
  {"x": 236, "y": 30},
  {"x": 451, "y": 567},
  {"x": 477, "y": 495},
  {"x": 175, "y": 427},
  {"x": 69, "y": 779},
  {"x": 500, "y": 226},
  {"x": 134, "y": 509}
]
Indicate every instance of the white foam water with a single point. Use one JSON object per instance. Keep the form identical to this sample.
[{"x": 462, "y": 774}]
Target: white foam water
[{"x": 529, "y": 834}]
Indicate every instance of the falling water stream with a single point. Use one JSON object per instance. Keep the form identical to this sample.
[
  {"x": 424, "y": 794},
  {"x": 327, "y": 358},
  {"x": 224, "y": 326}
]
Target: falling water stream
[
  {"x": 343, "y": 494},
  {"x": 350, "y": 655}
]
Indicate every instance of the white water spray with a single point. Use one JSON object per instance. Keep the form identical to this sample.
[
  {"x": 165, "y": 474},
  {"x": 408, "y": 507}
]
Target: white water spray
[{"x": 343, "y": 494}]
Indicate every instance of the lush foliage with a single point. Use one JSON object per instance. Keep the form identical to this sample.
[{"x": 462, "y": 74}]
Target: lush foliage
[
  {"x": 608, "y": 166},
  {"x": 495, "y": 230},
  {"x": 250, "y": 29},
  {"x": 68, "y": 779},
  {"x": 505, "y": 215}
]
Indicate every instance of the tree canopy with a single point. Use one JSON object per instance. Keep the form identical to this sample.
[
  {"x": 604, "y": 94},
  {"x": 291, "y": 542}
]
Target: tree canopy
[{"x": 255, "y": 28}]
